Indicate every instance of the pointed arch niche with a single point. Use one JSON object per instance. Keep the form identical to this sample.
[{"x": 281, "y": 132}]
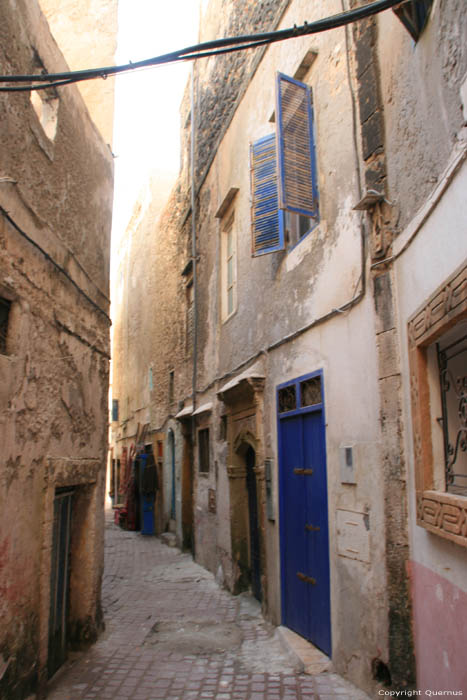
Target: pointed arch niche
[{"x": 243, "y": 398}]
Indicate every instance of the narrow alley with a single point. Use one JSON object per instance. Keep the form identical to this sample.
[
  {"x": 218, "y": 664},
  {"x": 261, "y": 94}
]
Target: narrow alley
[{"x": 172, "y": 632}]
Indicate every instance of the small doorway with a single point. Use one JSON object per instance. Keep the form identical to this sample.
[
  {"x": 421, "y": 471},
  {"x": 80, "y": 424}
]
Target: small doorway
[
  {"x": 59, "y": 579},
  {"x": 255, "y": 552}
]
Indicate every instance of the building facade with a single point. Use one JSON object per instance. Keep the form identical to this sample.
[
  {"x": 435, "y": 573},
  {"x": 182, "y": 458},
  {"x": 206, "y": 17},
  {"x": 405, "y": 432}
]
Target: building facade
[
  {"x": 267, "y": 350},
  {"x": 425, "y": 148},
  {"x": 56, "y": 184}
]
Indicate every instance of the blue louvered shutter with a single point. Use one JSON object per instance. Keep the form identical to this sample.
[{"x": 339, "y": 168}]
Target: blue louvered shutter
[
  {"x": 297, "y": 186},
  {"x": 266, "y": 221}
]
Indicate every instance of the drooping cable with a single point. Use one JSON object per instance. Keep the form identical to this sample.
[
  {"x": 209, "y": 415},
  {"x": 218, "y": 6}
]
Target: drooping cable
[{"x": 202, "y": 50}]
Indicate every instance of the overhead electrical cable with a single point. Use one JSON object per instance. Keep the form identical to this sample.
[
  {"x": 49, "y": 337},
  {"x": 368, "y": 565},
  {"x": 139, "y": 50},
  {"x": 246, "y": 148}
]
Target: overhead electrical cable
[{"x": 192, "y": 53}]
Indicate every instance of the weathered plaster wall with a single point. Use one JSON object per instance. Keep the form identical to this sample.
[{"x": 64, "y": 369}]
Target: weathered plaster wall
[
  {"x": 86, "y": 33},
  {"x": 436, "y": 251},
  {"x": 280, "y": 294},
  {"x": 424, "y": 135},
  {"x": 55, "y": 216},
  {"x": 423, "y": 113}
]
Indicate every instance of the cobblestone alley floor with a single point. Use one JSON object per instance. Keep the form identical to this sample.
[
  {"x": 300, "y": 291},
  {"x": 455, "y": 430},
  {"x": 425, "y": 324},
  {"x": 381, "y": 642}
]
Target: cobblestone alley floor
[{"x": 172, "y": 633}]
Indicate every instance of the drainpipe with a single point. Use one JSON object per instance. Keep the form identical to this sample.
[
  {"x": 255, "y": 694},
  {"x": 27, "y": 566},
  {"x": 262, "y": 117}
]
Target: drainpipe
[{"x": 193, "y": 255}]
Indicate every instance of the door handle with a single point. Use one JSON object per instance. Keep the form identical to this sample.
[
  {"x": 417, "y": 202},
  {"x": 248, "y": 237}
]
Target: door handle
[
  {"x": 305, "y": 472},
  {"x": 305, "y": 578},
  {"x": 312, "y": 528}
]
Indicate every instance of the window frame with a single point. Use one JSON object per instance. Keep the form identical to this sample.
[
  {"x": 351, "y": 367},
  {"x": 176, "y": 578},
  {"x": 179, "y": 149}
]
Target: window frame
[
  {"x": 228, "y": 234},
  {"x": 204, "y": 451},
  {"x": 439, "y": 512},
  {"x": 268, "y": 192},
  {"x": 284, "y": 203}
]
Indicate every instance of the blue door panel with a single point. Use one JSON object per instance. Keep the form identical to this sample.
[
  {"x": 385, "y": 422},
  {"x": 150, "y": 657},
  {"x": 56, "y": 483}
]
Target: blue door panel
[
  {"x": 294, "y": 533},
  {"x": 304, "y": 526},
  {"x": 317, "y": 541}
]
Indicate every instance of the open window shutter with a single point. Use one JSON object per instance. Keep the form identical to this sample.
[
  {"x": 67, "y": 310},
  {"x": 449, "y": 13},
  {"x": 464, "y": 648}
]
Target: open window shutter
[
  {"x": 295, "y": 148},
  {"x": 267, "y": 225}
]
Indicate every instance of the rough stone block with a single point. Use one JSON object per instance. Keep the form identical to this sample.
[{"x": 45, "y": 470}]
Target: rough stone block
[
  {"x": 388, "y": 354},
  {"x": 382, "y": 288},
  {"x": 372, "y": 135},
  {"x": 375, "y": 174},
  {"x": 368, "y": 93},
  {"x": 365, "y": 34}
]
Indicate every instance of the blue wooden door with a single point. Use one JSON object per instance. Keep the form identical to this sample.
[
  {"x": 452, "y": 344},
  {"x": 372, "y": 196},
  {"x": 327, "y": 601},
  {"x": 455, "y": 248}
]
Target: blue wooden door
[{"x": 304, "y": 519}]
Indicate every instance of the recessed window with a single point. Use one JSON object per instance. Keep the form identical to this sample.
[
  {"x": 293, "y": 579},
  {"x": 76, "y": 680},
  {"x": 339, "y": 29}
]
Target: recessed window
[
  {"x": 171, "y": 385},
  {"x": 296, "y": 227},
  {"x": 114, "y": 410},
  {"x": 190, "y": 317},
  {"x": 437, "y": 336},
  {"x": 5, "y": 306},
  {"x": 203, "y": 450},
  {"x": 223, "y": 428},
  {"x": 46, "y": 109},
  {"x": 229, "y": 269}
]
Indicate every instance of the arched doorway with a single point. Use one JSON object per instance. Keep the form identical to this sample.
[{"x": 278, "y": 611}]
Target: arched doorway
[{"x": 253, "y": 525}]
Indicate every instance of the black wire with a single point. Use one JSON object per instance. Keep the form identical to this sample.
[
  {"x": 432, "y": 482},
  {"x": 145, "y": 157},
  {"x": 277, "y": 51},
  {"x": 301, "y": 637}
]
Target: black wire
[
  {"x": 208, "y": 48},
  {"x": 219, "y": 52},
  {"x": 31, "y": 88},
  {"x": 192, "y": 57}
]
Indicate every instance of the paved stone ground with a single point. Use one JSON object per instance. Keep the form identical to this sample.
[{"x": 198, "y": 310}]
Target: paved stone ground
[{"x": 172, "y": 633}]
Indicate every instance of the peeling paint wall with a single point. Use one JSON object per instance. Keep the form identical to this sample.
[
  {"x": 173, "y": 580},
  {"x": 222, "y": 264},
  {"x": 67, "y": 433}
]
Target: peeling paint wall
[{"x": 55, "y": 216}]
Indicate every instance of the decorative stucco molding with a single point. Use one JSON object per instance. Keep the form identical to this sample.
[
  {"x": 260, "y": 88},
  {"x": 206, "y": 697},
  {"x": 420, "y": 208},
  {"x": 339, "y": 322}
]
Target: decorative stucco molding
[
  {"x": 442, "y": 513},
  {"x": 445, "y": 514},
  {"x": 443, "y": 308}
]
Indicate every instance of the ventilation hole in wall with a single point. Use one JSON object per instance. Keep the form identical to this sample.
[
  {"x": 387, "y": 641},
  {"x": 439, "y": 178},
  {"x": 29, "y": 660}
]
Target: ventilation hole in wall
[
  {"x": 380, "y": 672},
  {"x": 46, "y": 108}
]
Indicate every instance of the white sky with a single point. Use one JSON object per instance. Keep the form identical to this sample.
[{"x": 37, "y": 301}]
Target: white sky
[{"x": 147, "y": 117}]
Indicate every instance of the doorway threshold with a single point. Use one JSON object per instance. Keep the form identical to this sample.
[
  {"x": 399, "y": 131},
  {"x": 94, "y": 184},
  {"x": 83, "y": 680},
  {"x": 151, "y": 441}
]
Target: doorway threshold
[{"x": 312, "y": 659}]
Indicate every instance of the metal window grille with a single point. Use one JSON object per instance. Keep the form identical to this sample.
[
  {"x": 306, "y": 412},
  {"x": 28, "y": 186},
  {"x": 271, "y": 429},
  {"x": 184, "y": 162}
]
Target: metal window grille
[
  {"x": 287, "y": 399},
  {"x": 452, "y": 364},
  {"x": 310, "y": 392}
]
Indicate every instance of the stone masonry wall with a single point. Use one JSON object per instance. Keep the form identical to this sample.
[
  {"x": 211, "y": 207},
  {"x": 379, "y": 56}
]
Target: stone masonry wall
[{"x": 55, "y": 218}]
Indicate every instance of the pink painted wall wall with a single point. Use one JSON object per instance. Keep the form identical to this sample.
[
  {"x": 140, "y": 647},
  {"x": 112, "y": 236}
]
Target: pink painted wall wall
[{"x": 440, "y": 630}]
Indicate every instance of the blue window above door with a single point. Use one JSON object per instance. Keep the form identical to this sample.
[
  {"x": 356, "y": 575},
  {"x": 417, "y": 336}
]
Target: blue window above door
[{"x": 283, "y": 172}]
